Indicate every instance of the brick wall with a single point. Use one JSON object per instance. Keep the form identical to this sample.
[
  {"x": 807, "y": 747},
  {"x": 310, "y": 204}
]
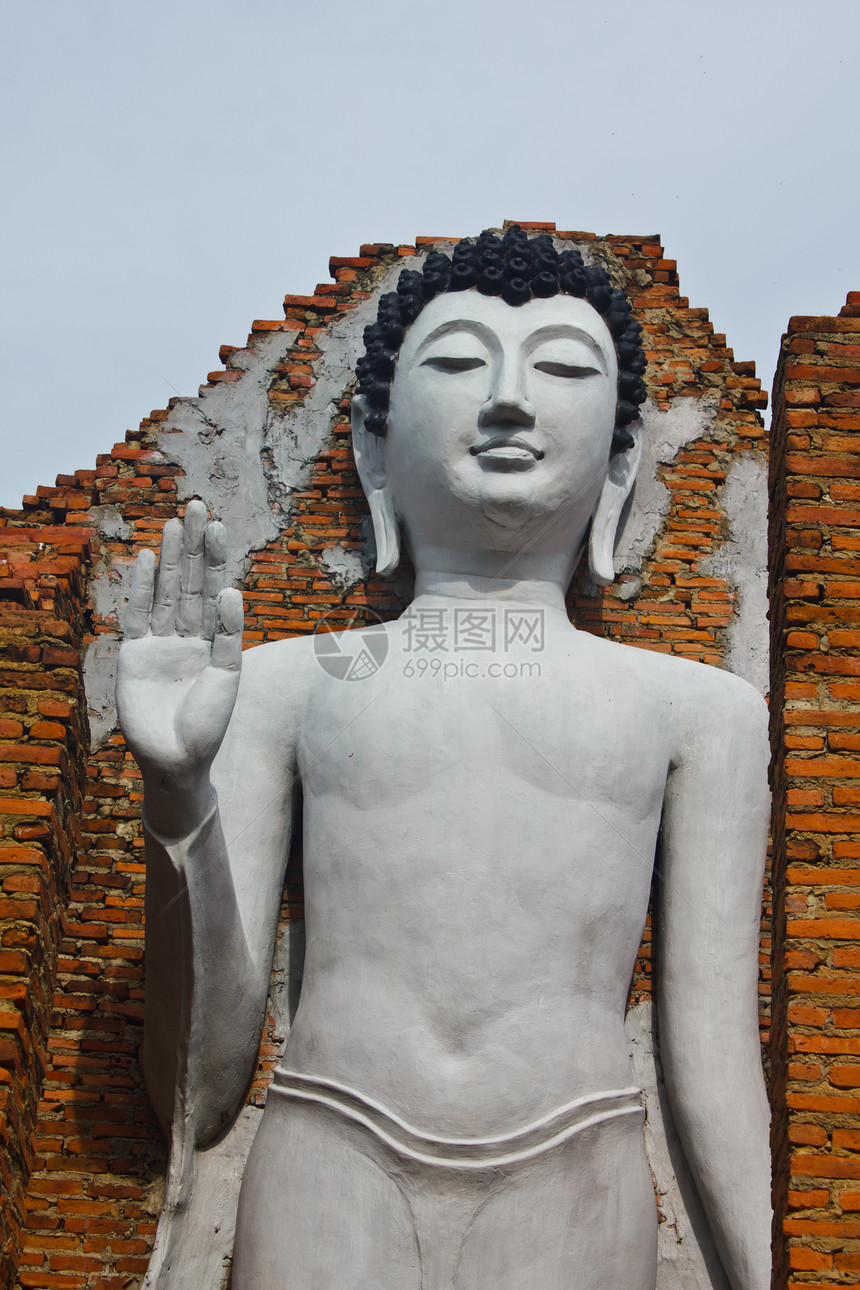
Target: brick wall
[
  {"x": 815, "y": 705},
  {"x": 42, "y": 768},
  {"x": 93, "y": 1154}
]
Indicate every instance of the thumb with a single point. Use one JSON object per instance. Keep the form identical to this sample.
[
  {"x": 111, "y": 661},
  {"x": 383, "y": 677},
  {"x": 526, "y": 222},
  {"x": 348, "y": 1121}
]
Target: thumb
[{"x": 227, "y": 642}]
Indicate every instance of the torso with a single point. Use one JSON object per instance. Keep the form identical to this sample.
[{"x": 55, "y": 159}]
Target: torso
[{"x": 477, "y": 865}]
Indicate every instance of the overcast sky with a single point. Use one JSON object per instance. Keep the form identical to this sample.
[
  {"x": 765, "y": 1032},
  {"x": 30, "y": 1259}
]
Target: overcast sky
[{"x": 172, "y": 169}]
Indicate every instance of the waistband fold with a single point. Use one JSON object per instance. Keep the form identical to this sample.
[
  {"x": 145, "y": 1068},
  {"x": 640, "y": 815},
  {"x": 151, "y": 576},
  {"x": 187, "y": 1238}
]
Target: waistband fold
[{"x": 532, "y": 1140}]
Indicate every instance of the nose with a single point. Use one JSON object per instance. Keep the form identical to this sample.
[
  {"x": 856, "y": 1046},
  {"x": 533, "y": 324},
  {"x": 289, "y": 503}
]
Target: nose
[{"x": 507, "y": 402}]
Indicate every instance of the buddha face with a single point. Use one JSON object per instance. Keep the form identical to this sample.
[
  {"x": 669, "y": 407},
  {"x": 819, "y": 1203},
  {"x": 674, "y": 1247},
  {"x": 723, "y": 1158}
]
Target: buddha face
[{"x": 500, "y": 423}]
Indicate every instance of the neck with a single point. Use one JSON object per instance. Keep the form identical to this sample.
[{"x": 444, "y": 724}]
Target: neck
[{"x": 493, "y": 576}]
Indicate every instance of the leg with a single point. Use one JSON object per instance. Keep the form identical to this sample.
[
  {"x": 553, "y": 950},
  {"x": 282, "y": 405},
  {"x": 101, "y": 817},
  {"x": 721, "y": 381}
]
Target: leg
[
  {"x": 581, "y": 1217},
  {"x": 320, "y": 1209}
]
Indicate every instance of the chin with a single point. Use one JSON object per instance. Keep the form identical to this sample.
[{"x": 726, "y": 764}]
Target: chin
[{"x": 513, "y": 512}]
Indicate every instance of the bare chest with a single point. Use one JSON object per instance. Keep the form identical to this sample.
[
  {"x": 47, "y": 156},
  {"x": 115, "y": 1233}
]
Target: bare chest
[
  {"x": 545, "y": 721},
  {"x": 452, "y": 782}
]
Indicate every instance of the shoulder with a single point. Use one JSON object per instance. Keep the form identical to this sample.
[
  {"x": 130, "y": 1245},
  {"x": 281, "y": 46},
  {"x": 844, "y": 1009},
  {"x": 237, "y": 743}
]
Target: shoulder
[
  {"x": 277, "y": 658},
  {"x": 720, "y": 724},
  {"x": 717, "y": 699},
  {"x": 694, "y": 697},
  {"x": 281, "y": 676},
  {"x": 688, "y": 678},
  {"x": 276, "y": 678}
]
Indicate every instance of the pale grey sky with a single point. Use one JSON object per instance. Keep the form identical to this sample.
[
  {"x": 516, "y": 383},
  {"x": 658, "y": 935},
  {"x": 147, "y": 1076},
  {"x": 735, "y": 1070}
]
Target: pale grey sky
[{"x": 172, "y": 169}]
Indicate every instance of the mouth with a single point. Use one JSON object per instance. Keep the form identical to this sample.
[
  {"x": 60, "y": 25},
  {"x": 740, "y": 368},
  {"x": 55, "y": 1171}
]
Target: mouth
[{"x": 509, "y": 452}]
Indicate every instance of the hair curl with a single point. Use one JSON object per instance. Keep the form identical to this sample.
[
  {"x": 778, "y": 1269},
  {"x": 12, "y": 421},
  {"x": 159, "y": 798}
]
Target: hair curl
[{"x": 517, "y": 268}]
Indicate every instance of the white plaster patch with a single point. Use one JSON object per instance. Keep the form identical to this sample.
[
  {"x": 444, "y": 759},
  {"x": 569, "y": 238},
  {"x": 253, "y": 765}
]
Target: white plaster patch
[
  {"x": 663, "y": 434},
  {"x": 345, "y": 568},
  {"x": 108, "y": 521},
  {"x": 218, "y": 439},
  {"x": 109, "y": 589},
  {"x": 99, "y": 669},
  {"x": 686, "y": 1257},
  {"x": 742, "y": 562},
  {"x": 296, "y": 438}
]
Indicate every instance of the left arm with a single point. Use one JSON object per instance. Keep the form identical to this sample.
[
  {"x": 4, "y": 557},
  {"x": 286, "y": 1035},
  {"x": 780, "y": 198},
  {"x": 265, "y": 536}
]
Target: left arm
[{"x": 715, "y": 826}]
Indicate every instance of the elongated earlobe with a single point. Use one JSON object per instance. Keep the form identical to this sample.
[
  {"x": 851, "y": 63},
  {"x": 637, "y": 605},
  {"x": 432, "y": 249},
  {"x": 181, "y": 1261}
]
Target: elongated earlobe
[
  {"x": 620, "y": 478},
  {"x": 369, "y": 450},
  {"x": 385, "y": 531}
]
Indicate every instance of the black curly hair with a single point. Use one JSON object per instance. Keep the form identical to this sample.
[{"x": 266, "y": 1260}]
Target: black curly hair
[{"x": 515, "y": 267}]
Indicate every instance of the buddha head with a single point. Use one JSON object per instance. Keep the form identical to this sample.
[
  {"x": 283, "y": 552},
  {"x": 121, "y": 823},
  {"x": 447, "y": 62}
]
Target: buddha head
[{"x": 493, "y": 407}]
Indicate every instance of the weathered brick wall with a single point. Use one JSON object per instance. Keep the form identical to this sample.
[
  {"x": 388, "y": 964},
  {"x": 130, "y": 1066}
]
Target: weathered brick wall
[
  {"x": 97, "y": 1159},
  {"x": 815, "y": 706},
  {"x": 42, "y": 768}
]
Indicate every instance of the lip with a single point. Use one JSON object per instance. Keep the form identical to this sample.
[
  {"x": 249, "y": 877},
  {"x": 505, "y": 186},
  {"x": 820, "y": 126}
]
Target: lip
[{"x": 510, "y": 452}]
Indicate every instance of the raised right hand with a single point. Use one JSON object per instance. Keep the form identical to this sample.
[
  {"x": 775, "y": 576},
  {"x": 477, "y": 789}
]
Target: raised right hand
[{"x": 180, "y": 659}]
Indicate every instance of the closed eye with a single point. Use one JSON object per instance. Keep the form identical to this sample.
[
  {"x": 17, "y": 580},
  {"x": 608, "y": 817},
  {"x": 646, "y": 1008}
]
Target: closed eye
[
  {"x": 566, "y": 370},
  {"x": 441, "y": 363}
]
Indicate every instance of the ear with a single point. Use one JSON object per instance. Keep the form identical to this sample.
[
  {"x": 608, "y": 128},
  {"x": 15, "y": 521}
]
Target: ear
[
  {"x": 369, "y": 450},
  {"x": 620, "y": 478}
]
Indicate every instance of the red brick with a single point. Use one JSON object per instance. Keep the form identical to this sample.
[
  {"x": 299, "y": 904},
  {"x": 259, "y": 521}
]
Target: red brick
[
  {"x": 24, "y": 806},
  {"x": 812, "y": 1135},
  {"x": 804, "y": 1015},
  {"x": 825, "y": 928},
  {"x": 811, "y": 1165},
  {"x": 809, "y": 1260}
]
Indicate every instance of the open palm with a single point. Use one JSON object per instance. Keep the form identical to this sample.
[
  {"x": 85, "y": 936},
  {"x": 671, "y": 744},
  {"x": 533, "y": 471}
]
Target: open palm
[{"x": 181, "y": 655}]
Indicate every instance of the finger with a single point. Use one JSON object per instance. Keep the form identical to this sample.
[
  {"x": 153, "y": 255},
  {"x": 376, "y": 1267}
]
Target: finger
[
  {"x": 167, "y": 582},
  {"x": 227, "y": 645},
  {"x": 214, "y": 574},
  {"x": 137, "y": 613},
  {"x": 190, "y": 616}
]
